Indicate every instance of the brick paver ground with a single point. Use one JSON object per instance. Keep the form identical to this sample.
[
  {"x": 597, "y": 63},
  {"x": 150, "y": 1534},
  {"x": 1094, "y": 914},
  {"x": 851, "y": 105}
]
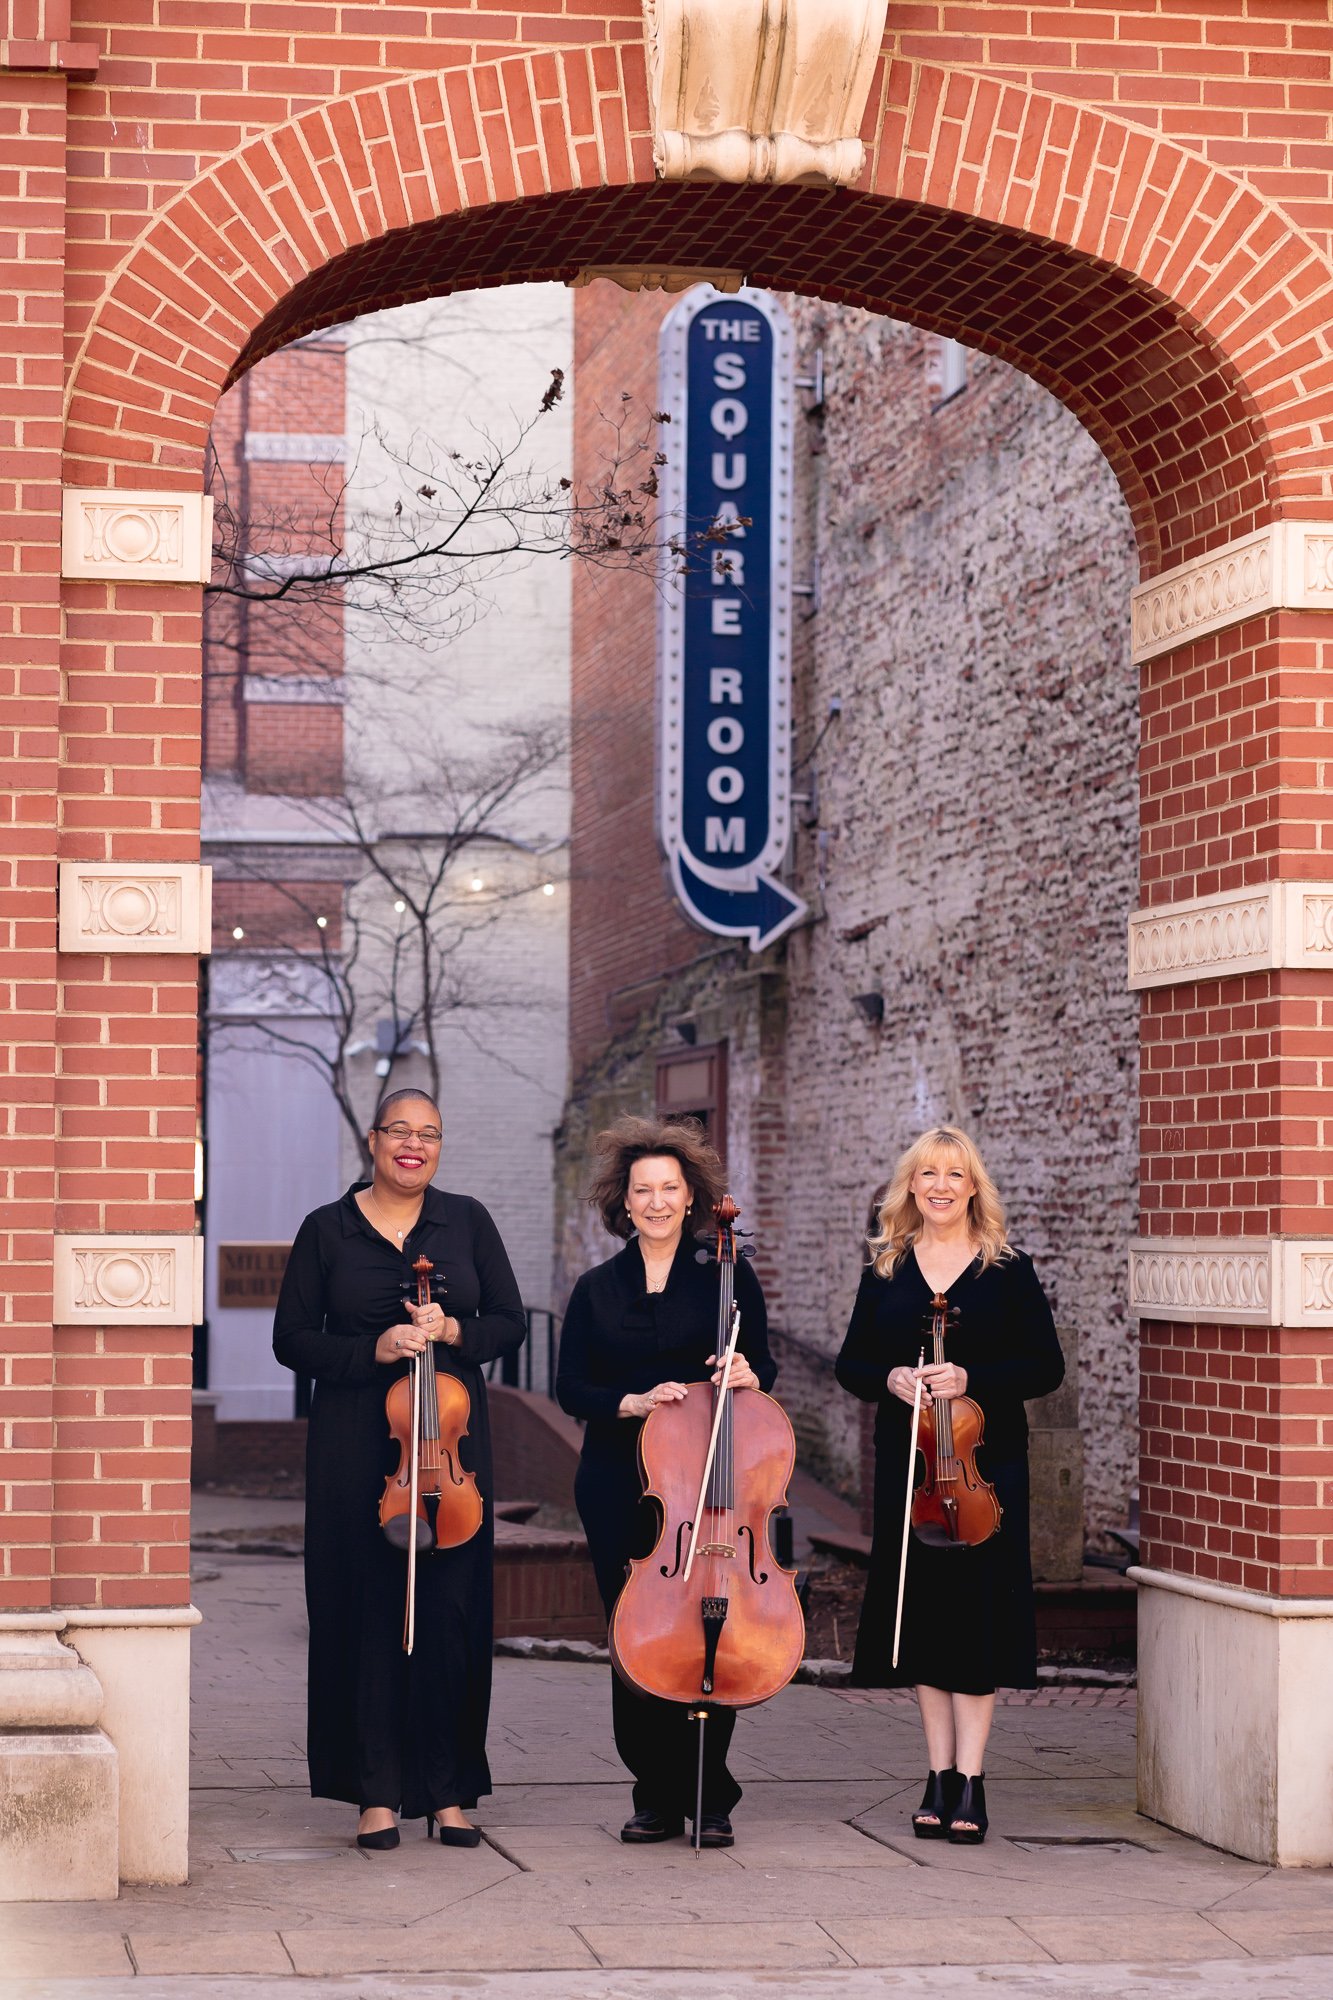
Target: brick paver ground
[{"x": 1072, "y": 1894}]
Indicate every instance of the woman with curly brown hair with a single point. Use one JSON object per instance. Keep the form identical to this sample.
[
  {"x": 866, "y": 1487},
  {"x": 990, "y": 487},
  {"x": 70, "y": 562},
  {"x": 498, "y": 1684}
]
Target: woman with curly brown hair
[
  {"x": 968, "y": 1623},
  {"x": 637, "y": 1330}
]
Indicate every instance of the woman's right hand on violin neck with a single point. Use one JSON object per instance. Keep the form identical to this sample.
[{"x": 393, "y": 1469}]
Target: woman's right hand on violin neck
[
  {"x": 399, "y": 1343},
  {"x": 942, "y": 1379},
  {"x": 643, "y": 1406}
]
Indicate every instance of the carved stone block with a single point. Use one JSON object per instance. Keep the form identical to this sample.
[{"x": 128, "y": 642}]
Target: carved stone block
[
  {"x": 1232, "y": 1282},
  {"x": 136, "y": 537},
  {"x": 1288, "y": 565},
  {"x": 761, "y": 90},
  {"x": 1244, "y": 930},
  {"x": 123, "y": 908},
  {"x": 129, "y": 1280},
  {"x": 1262, "y": 1281}
]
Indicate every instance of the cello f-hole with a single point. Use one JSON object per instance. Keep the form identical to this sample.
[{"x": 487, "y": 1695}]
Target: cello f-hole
[
  {"x": 746, "y": 1533},
  {"x": 682, "y": 1531}
]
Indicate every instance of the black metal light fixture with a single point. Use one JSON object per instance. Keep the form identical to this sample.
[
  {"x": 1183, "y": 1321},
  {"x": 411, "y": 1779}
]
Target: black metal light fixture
[
  {"x": 688, "y": 1032},
  {"x": 870, "y": 1006}
]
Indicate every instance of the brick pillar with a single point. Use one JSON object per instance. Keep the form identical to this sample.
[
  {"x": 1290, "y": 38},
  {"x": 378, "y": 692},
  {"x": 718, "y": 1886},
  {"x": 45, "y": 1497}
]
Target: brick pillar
[
  {"x": 51, "y": 1702},
  {"x": 1233, "y": 1274}
]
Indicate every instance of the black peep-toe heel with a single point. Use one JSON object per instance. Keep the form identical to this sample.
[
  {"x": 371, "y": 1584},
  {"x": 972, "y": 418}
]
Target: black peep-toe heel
[
  {"x": 931, "y": 1819},
  {"x": 968, "y": 1821}
]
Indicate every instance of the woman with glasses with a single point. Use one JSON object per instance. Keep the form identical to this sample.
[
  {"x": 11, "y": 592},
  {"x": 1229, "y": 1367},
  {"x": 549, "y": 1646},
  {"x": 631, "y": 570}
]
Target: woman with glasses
[{"x": 389, "y": 1733}]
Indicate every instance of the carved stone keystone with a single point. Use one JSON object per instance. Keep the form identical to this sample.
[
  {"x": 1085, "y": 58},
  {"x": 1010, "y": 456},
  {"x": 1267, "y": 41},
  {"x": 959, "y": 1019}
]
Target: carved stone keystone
[{"x": 761, "y": 90}]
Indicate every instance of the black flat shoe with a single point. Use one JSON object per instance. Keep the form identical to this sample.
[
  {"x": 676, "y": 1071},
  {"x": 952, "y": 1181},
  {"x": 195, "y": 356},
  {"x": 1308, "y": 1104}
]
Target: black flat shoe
[
  {"x": 715, "y": 1831},
  {"x": 381, "y": 1842},
  {"x": 453, "y": 1836},
  {"x": 968, "y": 1821},
  {"x": 931, "y": 1819},
  {"x": 646, "y": 1827}
]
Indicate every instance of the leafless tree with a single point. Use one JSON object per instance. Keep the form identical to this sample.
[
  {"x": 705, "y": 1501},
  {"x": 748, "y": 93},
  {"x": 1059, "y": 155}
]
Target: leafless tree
[
  {"x": 384, "y": 954},
  {"x": 420, "y": 549}
]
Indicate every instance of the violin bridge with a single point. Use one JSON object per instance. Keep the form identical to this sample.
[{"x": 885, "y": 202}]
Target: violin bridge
[{"x": 724, "y": 1549}]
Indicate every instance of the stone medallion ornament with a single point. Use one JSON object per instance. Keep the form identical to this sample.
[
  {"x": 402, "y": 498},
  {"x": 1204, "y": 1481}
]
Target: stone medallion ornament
[{"x": 761, "y": 90}]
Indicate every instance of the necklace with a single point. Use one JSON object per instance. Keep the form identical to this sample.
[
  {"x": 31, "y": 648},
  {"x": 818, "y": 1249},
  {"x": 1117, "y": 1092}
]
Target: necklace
[{"x": 399, "y": 1233}]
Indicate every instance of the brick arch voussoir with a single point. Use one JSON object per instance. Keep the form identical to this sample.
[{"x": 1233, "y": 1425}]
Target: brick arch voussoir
[
  {"x": 223, "y": 254},
  {"x": 1169, "y": 290},
  {"x": 1244, "y": 285}
]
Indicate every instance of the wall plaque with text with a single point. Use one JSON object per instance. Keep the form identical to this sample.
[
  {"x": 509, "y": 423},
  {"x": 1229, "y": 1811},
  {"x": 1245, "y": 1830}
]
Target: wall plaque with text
[{"x": 249, "y": 1274}]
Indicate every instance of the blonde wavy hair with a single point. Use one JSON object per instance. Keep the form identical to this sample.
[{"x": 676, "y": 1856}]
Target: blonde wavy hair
[{"x": 900, "y": 1218}]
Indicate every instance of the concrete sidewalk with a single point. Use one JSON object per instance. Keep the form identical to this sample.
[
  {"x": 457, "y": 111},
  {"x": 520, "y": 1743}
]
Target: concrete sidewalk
[{"x": 1073, "y": 1892}]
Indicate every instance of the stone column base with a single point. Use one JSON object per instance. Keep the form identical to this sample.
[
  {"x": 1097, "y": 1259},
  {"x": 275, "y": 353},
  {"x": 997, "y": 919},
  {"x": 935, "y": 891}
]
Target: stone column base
[
  {"x": 1235, "y": 1721},
  {"x": 128, "y": 1671},
  {"x": 142, "y": 1659},
  {"x": 58, "y": 1805}
]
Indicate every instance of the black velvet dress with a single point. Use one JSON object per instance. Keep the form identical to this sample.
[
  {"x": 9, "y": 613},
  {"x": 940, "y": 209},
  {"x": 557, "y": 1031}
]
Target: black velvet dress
[
  {"x": 619, "y": 1339},
  {"x": 968, "y": 1621},
  {"x": 383, "y": 1729}
]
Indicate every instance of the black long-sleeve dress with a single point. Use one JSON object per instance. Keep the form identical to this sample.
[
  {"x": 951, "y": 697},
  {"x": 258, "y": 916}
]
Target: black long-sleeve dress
[
  {"x": 619, "y": 1339},
  {"x": 968, "y": 1620},
  {"x": 385, "y": 1729}
]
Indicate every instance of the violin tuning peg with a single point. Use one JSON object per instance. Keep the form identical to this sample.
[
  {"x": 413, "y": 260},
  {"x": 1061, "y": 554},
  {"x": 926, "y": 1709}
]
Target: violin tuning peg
[
  {"x": 747, "y": 1250},
  {"x": 703, "y": 1256}
]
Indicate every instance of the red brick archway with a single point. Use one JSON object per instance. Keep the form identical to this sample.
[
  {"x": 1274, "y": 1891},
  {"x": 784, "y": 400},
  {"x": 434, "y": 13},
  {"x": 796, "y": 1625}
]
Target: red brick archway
[
  {"x": 1163, "y": 301},
  {"x": 1129, "y": 219}
]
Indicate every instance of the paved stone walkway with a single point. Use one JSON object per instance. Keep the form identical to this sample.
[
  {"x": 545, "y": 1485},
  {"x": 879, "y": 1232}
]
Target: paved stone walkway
[{"x": 1073, "y": 1894}]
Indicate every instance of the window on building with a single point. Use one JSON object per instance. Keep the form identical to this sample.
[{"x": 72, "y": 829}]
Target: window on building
[
  {"x": 692, "y": 1083},
  {"x": 946, "y": 370}
]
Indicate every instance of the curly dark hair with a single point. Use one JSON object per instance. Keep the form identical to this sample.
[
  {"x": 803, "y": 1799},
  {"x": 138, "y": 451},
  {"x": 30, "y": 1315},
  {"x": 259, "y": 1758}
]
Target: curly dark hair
[{"x": 631, "y": 1139}]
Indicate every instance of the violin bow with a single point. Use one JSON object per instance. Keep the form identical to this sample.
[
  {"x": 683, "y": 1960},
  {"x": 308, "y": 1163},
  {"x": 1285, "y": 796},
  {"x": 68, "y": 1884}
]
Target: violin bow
[
  {"x": 727, "y": 1357},
  {"x": 410, "y": 1614},
  {"x": 907, "y": 1510}
]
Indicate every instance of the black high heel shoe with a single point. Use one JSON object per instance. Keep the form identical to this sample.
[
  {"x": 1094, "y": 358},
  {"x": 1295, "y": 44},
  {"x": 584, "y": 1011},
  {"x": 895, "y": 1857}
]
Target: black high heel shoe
[
  {"x": 968, "y": 1821},
  {"x": 453, "y": 1836},
  {"x": 930, "y": 1821},
  {"x": 380, "y": 1842}
]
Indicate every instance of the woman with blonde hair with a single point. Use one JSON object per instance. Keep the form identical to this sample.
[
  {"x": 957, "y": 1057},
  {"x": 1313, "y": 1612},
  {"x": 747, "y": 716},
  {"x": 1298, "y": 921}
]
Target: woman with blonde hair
[{"x": 968, "y": 1624}]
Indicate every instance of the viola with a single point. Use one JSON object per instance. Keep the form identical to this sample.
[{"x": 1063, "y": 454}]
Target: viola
[
  {"x": 953, "y": 1505},
  {"x": 711, "y": 1616},
  {"x": 430, "y": 1500}
]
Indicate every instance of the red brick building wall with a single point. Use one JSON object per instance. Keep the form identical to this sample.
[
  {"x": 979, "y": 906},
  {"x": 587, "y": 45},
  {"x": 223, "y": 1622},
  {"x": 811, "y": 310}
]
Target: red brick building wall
[{"x": 1133, "y": 206}]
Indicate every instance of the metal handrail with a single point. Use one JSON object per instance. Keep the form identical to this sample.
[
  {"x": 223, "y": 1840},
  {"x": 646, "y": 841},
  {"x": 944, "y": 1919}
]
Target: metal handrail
[{"x": 518, "y": 1371}]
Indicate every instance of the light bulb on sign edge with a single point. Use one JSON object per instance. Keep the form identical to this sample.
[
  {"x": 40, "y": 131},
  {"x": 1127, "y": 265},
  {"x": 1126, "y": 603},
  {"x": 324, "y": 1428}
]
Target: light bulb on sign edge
[
  {"x": 237, "y": 933},
  {"x": 321, "y": 923},
  {"x": 477, "y": 883},
  {"x": 399, "y": 905},
  {"x": 548, "y": 888}
]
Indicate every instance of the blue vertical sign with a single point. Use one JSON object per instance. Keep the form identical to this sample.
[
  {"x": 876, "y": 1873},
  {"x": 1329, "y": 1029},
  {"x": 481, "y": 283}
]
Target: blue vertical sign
[{"x": 724, "y": 655}]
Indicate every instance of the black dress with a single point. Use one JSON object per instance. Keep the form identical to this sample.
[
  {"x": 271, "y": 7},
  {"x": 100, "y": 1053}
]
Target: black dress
[
  {"x": 619, "y": 1339},
  {"x": 383, "y": 1729},
  {"x": 968, "y": 1623}
]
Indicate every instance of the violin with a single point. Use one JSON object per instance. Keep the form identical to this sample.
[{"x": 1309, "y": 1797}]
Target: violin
[
  {"x": 430, "y": 1501},
  {"x": 711, "y": 1616},
  {"x": 953, "y": 1506}
]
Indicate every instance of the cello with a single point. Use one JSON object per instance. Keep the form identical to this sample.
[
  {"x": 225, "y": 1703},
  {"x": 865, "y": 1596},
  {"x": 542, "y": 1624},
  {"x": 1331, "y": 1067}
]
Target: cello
[
  {"x": 430, "y": 1500},
  {"x": 710, "y": 1618}
]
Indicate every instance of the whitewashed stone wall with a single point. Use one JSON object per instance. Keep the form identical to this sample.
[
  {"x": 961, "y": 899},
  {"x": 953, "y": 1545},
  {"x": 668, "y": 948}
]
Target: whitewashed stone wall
[{"x": 968, "y": 844}]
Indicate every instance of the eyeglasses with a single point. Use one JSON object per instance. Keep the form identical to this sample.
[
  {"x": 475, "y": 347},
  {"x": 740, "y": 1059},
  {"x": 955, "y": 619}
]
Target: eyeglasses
[{"x": 429, "y": 1135}]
